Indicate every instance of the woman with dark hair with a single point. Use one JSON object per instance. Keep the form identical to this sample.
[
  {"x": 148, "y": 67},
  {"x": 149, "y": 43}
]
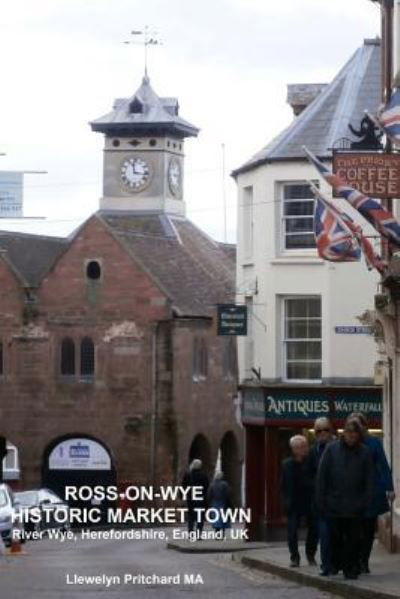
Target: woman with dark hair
[{"x": 383, "y": 492}]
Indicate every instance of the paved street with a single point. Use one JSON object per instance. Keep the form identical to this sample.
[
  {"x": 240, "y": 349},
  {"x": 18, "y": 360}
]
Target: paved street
[{"x": 42, "y": 573}]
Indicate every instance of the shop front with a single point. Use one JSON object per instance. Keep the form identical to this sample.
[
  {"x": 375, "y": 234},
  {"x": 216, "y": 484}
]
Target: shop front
[{"x": 271, "y": 415}]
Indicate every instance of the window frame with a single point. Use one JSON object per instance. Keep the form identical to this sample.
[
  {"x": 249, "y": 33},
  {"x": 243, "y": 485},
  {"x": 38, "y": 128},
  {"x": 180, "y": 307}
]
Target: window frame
[
  {"x": 62, "y": 374},
  {"x": 283, "y": 250},
  {"x": 285, "y": 341},
  {"x": 200, "y": 359},
  {"x": 86, "y": 377}
]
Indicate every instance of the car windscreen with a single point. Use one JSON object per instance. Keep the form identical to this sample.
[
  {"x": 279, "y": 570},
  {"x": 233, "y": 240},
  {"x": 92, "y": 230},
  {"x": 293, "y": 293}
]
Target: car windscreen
[
  {"x": 3, "y": 498},
  {"x": 27, "y": 498}
]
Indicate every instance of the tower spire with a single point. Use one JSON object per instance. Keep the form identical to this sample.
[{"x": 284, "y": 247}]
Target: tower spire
[{"x": 145, "y": 37}]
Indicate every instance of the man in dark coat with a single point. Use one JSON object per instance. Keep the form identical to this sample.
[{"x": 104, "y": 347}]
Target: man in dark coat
[
  {"x": 383, "y": 493},
  {"x": 323, "y": 437},
  {"x": 297, "y": 488},
  {"x": 195, "y": 477},
  {"x": 344, "y": 490}
]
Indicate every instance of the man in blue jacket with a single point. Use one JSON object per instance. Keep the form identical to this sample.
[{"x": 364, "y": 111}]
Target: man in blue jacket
[{"x": 323, "y": 437}]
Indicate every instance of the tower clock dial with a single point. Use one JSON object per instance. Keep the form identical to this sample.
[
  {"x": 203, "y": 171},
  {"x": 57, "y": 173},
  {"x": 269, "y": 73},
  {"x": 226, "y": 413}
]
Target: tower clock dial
[
  {"x": 175, "y": 177},
  {"x": 135, "y": 173}
]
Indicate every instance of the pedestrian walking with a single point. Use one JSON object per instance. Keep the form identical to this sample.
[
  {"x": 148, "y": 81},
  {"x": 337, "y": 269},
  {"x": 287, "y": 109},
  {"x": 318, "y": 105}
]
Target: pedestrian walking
[
  {"x": 344, "y": 490},
  {"x": 297, "y": 488},
  {"x": 195, "y": 477},
  {"x": 219, "y": 497},
  {"x": 324, "y": 436},
  {"x": 383, "y": 493}
]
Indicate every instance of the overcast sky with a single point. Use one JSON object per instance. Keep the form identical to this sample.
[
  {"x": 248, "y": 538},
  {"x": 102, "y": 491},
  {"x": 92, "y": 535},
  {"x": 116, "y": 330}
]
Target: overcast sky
[{"x": 228, "y": 62}]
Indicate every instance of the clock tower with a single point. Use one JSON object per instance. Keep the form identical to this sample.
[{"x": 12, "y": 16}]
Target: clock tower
[{"x": 144, "y": 153}]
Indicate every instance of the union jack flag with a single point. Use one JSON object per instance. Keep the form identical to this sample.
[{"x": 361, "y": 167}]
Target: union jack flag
[
  {"x": 389, "y": 117},
  {"x": 338, "y": 237},
  {"x": 378, "y": 216}
]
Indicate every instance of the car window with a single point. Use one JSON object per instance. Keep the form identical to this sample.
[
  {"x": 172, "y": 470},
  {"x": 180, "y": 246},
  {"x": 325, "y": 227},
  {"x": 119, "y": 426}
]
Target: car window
[
  {"x": 27, "y": 498},
  {"x": 3, "y": 498},
  {"x": 48, "y": 496}
]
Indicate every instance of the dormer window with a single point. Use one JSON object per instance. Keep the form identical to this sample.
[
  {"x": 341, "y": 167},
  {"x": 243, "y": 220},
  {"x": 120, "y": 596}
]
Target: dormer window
[{"x": 136, "y": 107}]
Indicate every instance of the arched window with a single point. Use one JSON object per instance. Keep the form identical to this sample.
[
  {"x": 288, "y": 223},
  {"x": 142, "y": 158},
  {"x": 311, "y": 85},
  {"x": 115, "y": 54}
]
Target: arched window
[
  {"x": 87, "y": 357},
  {"x": 67, "y": 357},
  {"x": 93, "y": 270},
  {"x": 200, "y": 359}
]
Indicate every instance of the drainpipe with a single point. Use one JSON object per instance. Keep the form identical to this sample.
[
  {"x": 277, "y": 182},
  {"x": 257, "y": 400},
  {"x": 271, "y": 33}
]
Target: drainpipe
[{"x": 154, "y": 406}]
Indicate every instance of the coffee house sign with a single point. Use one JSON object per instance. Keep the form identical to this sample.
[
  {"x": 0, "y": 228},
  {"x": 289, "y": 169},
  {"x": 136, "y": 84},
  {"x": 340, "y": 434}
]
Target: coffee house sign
[{"x": 374, "y": 174}]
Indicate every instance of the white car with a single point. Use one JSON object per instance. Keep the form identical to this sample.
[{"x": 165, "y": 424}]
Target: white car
[{"x": 8, "y": 507}]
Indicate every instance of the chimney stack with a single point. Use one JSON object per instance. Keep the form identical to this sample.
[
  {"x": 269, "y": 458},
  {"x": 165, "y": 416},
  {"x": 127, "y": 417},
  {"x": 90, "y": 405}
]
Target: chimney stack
[{"x": 300, "y": 95}]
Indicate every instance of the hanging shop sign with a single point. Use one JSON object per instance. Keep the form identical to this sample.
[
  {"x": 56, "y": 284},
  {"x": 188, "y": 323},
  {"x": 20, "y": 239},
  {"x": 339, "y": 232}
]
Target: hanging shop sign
[
  {"x": 374, "y": 174},
  {"x": 263, "y": 405},
  {"x": 232, "y": 319}
]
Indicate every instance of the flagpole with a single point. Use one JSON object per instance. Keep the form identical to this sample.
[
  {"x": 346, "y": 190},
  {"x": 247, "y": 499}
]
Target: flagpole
[{"x": 387, "y": 78}]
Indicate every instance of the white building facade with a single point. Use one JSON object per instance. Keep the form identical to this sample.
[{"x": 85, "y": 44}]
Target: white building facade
[{"x": 309, "y": 350}]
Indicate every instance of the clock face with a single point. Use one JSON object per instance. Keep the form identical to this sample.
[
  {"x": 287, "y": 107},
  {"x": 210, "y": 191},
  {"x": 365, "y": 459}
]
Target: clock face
[
  {"x": 175, "y": 177},
  {"x": 135, "y": 173}
]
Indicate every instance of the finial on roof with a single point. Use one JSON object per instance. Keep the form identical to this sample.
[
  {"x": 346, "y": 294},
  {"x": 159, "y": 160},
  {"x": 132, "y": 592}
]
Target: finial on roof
[{"x": 148, "y": 38}]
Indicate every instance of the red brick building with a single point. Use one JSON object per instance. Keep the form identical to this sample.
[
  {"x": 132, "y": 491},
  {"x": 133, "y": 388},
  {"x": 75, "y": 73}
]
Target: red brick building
[{"x": 110, "y": 366}]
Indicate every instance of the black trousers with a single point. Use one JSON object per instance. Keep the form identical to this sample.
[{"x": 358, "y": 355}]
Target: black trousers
[
  {"x": 367, "y": 536},
  {"x": 195, "y": 521},
  {"x": 295, "y": 519},
  {"x": 345, "y": 544}
]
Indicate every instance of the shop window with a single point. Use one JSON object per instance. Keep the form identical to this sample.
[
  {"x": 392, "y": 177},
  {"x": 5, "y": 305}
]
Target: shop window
[
  {"x": 200, "y": 359},
  {"x": 229, "y": 358},
  {"x": 302, "y": 338},
  {"x": 297, "y": 216},
  {"x": 93, "y": 270},
  {"x": 67, "y": 357},
  {"x": 87, "y": 358}
]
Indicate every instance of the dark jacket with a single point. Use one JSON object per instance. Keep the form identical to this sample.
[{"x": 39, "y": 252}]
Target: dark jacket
[
  {"x": 219, "y": 494},
  {"x": 345, "y": 480},
  {"x": 316, "y": 453},
  {"x": 196, "y": 478},
  {"x": 383, "y": 481},
  {"x": 297, "y": 486}
]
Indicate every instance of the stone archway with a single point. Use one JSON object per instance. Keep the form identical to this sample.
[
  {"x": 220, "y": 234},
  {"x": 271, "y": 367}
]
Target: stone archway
[
  {"x": 201, "y": 449},
  {"x": 231, "y": 464}
]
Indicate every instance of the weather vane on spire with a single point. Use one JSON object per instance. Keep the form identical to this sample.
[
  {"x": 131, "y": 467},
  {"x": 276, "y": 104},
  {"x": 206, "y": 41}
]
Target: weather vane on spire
[{"x": 147, "y": 37}]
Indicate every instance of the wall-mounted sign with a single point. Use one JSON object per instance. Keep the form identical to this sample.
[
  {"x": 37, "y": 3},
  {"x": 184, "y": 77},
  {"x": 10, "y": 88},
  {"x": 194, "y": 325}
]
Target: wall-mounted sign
[
  {"x": 374, "y": 174},
  {"x": 11, "y": 194},
  {"x": 232, "y": 319},
  {"x": 262, "y": 405},
  {"x": 79, "y": 454},
  {"x": 353, "y": 330}
]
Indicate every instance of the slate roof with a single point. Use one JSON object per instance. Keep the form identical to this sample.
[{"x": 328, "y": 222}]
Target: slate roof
[
  {"x": 31, "y": 256},
  {"x": 146, "y": 113},
  {"x": 191, "y": 268},
  {"x": 325, "y": 121}
]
